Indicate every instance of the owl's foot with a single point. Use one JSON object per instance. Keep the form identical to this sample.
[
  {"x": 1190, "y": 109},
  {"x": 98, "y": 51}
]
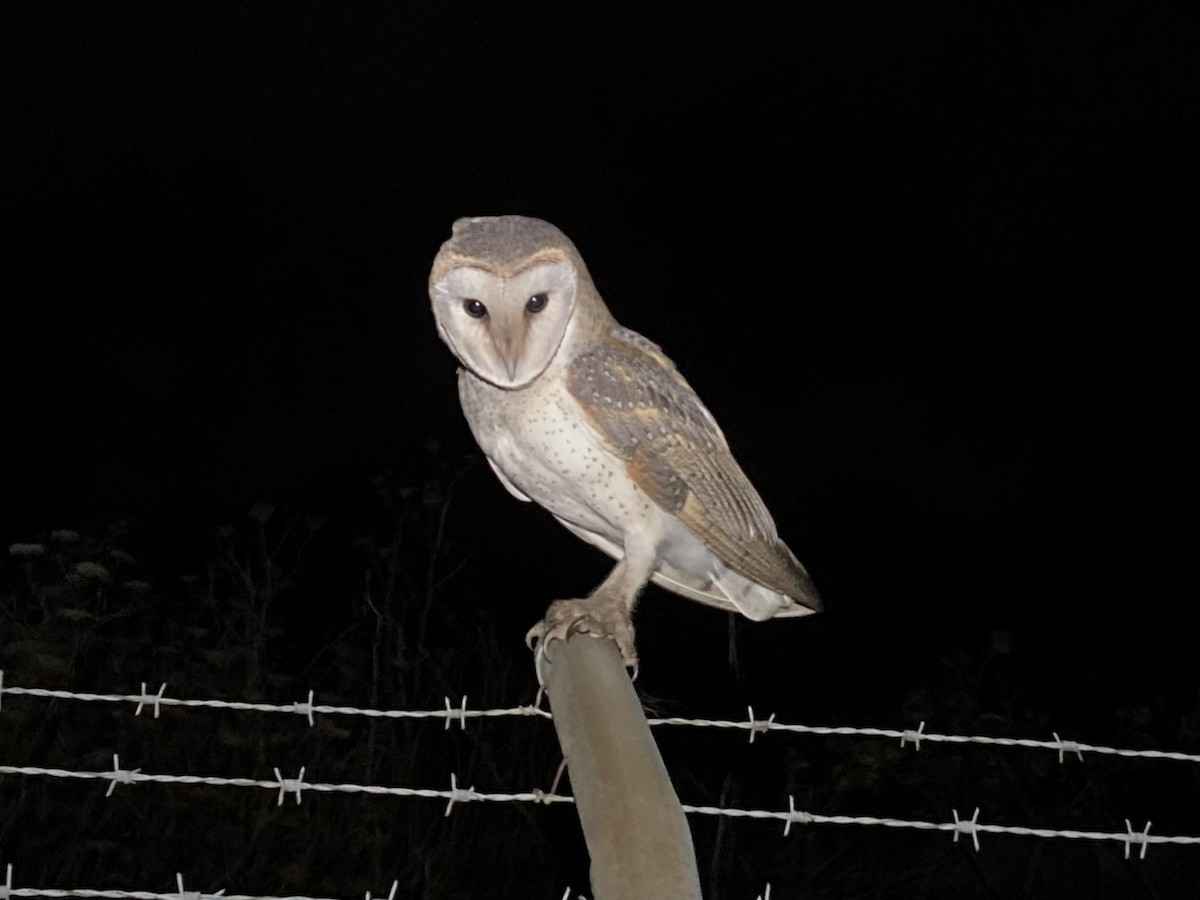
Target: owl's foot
[{"x": 598, "y": 616}]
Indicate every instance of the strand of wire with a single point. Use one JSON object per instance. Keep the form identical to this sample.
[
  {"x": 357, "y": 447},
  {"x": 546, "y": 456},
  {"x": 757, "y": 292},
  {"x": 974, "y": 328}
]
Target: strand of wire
[
  {"x": 143, "y": 895},
  {"x": 289, "y": 786},
  {"x": 461, "y": 713},
  {"x": 296, "y": 786},
  {"x": 917, "y": 736},
  {"x": 7, "y": 891},
  {"x": 308, "y": 709}
]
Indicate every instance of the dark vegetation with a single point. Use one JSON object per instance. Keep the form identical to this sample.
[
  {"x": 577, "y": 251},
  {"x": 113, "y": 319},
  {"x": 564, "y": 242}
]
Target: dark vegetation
[{"x": 376, "y": 617}]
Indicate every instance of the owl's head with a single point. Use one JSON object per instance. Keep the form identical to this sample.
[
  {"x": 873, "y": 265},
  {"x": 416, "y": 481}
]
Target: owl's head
[{"x": 506, "y": 291}]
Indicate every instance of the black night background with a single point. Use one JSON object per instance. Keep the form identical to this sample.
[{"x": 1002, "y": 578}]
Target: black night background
[{"x": 928, "y": 264}]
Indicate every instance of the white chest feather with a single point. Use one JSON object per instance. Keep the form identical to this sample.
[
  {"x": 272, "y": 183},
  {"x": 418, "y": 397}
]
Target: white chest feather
[{"x": 542, "y": 448}]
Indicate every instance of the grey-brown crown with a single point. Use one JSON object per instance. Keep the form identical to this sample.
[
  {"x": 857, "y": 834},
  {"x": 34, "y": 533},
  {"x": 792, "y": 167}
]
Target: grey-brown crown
[{"x": 503, "y": 243}]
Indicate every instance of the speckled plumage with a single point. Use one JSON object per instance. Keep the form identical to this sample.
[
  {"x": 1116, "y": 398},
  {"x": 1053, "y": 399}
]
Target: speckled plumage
[{"x": 593, "y": 422}]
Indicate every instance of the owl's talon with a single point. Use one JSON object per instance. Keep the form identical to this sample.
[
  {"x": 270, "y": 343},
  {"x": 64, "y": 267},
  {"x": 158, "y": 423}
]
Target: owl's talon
[
  {"x": 596, "y": 617},
  {"x": 535, "y": 634}
]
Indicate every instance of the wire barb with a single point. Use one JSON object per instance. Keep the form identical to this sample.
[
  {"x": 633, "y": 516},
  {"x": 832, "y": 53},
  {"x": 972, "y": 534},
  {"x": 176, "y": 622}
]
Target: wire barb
[
  {"x": 794, "y": 815},
  {"x": 290, "y": 786},
  {"x": 758, "y": 726},
  {"x": 194, "y": 895},
  {"x": 460, "y": 714},
  {"x": 1067, "y": 747},
  {"x": 391, "y": 894},
  {"x": 119, "y": 776},
  {"x": 1137, "y": 837},
  {"x": 967, "y": 826},
  {"x": 305, "y": 709},
  {"x": 459, "y": 795},
  {"x": 6, "y": 888},
  {"x": 914, "y": 737},
  {"x": 153, "y": 699}
]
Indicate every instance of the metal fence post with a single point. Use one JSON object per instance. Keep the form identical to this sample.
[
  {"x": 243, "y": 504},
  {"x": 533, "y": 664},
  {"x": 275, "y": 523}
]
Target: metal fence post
[{"x": 636, "y": 832}]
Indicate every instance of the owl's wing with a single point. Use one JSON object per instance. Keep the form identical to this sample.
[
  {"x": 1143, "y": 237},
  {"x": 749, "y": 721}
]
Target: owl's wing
[{"x": 674, "y": 450}]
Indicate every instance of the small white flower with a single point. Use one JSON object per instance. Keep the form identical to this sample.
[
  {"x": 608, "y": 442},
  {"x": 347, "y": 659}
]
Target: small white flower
[
  {"x": 74, "y": 615},
  {"x": 260, "y": 512},
  {"x": 65, "y": 536},
  {"x": 88, "y": 569},
  {"x": 26, "y": 549}
]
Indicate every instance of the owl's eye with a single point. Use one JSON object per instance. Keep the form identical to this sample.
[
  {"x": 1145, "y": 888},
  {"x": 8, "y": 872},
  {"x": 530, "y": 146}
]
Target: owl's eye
[
  {"x": 474, "y": 308},
  {"x": 536, "y": 303}
]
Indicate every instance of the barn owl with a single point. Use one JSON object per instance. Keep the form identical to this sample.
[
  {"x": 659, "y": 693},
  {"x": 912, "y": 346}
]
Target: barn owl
[{"x": 593, "y": 422}]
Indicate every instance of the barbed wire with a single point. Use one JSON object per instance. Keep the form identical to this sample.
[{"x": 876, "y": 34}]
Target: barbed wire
[
  {"x": 284, "y": 787},
  {"x": 460, "y": 713},
  {"x": 308, "y": 709},
  {"x": 7, "y": 891},
  {"x": 916, "y": 736},
  {"x": 295, "y": 787}
]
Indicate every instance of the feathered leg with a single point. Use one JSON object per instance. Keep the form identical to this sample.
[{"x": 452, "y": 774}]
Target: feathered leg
[{"x": 606, "y": 611}]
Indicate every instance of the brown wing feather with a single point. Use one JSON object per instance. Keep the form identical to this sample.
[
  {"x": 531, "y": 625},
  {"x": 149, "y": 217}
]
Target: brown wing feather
[{"x": 649, "y": 415}]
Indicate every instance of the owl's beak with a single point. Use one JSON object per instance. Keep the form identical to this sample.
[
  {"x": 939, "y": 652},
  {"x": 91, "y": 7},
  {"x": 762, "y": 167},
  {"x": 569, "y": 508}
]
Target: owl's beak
[{"x": 509, "y": 339}]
